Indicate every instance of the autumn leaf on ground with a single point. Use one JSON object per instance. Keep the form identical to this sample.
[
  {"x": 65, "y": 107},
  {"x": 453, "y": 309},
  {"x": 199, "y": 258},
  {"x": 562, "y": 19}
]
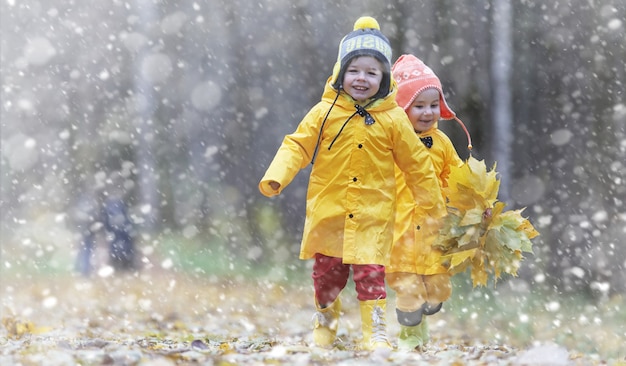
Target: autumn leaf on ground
[
  {"x": 478, "y": 234},
  {"x": 17, "y": 328}
]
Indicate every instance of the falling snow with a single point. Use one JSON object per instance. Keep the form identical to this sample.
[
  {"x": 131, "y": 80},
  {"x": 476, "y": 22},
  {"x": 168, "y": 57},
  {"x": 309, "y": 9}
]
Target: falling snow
[{"x": 176, "y": 108}]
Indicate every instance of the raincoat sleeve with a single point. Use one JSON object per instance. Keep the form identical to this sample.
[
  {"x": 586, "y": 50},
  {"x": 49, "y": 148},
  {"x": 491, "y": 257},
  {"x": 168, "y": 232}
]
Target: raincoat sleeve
[
  {"x": 294, "y": 154},
  {"x": 414, "y": 160},
  {"x": 451, "y": 159}
]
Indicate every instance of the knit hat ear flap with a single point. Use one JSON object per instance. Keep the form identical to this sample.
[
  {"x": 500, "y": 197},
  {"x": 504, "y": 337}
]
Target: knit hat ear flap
[{"x": 364, "y": 40}]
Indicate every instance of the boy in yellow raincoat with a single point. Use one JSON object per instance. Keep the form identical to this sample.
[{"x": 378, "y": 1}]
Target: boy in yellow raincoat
[
  {"x": 354, "y": 137},
  {"x": 421, "y": 283}
]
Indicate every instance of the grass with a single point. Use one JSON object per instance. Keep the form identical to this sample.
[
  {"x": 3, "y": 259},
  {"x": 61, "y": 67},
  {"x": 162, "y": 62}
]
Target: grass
[
  {"x": 520, "y": 314},
  {"x": 199, "y": 255},
  {"x": 213, "y": 258}
]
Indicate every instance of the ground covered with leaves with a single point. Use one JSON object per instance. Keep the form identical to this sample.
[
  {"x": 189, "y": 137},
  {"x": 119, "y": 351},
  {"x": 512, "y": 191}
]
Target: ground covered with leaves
[{"x": 160, "y": 317}]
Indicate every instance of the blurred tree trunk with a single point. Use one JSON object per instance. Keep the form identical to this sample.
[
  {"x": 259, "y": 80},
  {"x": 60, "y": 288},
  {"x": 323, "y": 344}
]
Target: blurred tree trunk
[
  {"x": 146, "y": 125},
  {"x": 501, "y": 106}
]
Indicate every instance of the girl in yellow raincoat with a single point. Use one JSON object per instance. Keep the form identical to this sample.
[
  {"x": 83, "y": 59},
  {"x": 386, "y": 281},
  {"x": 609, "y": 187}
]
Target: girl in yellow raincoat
[
  {"x": 354, "y": 137},
  {"x": 421, "y": 283}
]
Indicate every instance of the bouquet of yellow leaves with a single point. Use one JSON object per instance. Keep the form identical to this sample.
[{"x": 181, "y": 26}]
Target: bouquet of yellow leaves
[{"x": 477, "y": 233}]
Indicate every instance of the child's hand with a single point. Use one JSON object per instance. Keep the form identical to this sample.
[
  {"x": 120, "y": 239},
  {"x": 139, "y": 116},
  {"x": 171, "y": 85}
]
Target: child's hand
[
  {"x": 269, "y": 188},
  {"x": 274, "y": 185}
]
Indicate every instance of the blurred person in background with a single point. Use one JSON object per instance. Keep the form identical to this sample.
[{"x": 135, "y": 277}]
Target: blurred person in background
[{"x": 103, "y": 213}]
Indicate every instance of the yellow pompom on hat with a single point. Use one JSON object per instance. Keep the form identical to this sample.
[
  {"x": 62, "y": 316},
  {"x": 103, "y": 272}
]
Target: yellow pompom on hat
[{"x": 366, "y": 39}]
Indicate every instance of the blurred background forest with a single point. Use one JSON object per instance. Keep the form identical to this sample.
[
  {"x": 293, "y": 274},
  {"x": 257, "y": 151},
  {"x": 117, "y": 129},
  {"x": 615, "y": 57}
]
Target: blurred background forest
[{"x": 182, "y": 105}]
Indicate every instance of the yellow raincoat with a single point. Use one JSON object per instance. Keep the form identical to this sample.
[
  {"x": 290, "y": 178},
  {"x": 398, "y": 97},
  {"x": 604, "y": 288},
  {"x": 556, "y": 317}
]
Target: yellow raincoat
[
  {"x": 416, "y": 227},
  {"x": 351, "y": 195}
]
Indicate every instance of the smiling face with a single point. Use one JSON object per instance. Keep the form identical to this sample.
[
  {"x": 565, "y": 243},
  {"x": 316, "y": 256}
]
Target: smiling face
[
  {"x": 425, "y": 110},
  {"x": 363, "y": 77}
]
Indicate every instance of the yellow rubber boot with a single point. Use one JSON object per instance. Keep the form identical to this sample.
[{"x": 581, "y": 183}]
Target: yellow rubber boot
[
  {"x": 373, "y": 325},
  {"x": 326, "y": 322}
]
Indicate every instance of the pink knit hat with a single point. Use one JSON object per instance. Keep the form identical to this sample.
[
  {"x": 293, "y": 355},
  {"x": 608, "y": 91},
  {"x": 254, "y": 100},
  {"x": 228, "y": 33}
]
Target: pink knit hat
[{"x": 413, "y": 77}]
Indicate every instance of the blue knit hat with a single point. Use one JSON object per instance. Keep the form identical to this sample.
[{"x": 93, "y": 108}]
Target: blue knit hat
[{"x": 365, "y": 39}]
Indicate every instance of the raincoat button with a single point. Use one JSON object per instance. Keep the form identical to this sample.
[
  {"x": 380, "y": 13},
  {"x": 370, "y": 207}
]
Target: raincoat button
[
  {"x": 354, "y": 179},
  {"x": 351, "y": 216},
  {"x": 418, "y": 227},
  {"x": 360, "y": 146}
]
